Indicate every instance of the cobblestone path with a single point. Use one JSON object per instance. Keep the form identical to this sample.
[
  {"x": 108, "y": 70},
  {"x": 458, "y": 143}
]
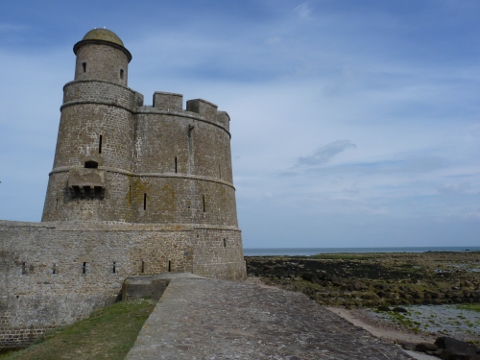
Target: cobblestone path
[{"x": 199, "y": 318}]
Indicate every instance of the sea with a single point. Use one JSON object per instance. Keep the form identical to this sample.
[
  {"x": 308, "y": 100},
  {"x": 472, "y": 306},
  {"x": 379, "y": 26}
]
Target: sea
[{"x": 315, "y": 251}]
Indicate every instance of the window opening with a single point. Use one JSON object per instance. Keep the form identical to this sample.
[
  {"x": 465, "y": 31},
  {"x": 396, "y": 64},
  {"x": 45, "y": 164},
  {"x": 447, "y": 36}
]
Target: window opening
[
  {"x": 143, "y": 266},
  {"x": 84, "y": 268},
  {"x": 224, "y": 242},
  {"x": 169, "y": 265},
  {"x": 100, "y": 144},
  {"x": 190, "y": 149},
  {"x": 121, "y": 73},
  {"x": 54, "y": 269},
  {"x": 176, "y": 165},
  {"x": 90, "y": 164},
  {"x": 114, "y": 269},
  {"x": 145, "y": 201},
  {"x": 56, "y": 204},
  {"x": 24, "y": 268},
  {"x": 220, "y": 171},
  {"x": 84, "y": 65},
  {"x": 203, "y": 199}
]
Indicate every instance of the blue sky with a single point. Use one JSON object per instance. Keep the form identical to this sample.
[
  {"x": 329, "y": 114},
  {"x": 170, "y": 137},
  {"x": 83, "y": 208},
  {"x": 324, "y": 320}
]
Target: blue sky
[{"x": 354, "y": 123}]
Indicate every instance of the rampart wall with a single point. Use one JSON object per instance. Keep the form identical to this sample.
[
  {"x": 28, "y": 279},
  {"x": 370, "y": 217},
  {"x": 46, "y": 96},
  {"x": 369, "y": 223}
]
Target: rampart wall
[{"x": 52, "y": 274}]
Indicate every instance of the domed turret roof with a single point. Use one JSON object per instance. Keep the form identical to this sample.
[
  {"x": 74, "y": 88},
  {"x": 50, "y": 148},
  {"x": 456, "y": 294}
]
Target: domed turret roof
[
  {"x": 103, "y": 34},
  {"x": 104, "y": 37}
]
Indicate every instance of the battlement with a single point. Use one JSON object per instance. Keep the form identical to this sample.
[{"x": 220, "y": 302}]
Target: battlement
[
  {"x": 172, "y": 102},
  {"x": 167, "y": 101}
]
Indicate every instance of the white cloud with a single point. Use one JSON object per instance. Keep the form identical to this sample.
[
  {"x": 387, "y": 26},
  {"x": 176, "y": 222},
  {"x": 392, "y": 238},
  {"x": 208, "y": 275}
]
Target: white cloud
[
  {"x": 323, "y": 154},
  {"x": 303, "y": 10}
]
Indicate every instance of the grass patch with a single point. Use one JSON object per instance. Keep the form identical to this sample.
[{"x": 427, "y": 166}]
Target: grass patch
[
  {"x": 108, "y": 333},
  {"x": 343, "y": 256},
  {"x": 472, "y": 307}
]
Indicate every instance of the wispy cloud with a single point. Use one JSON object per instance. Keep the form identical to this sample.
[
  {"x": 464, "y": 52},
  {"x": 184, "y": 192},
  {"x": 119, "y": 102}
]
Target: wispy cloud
[
  {"x": 323, "y": 154},
  {"x": 303, "y": 10}
]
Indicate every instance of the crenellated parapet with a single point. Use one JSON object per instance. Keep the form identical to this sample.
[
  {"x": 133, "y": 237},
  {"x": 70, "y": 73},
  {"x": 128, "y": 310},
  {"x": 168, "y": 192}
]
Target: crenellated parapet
[{"x": 196, "y": 108}]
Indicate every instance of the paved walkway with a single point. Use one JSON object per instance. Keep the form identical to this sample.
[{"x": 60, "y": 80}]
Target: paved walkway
[{"x": 199, "y": 318}]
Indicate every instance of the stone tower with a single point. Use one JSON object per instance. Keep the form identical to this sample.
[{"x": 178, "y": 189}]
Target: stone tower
[
  {"x": 134, "y": 190},
  {"x": 117, "y": 160}
]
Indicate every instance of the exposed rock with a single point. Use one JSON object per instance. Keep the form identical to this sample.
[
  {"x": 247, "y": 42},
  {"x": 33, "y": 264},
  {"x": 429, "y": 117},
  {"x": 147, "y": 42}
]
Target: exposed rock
[
  {"x": 424, "y": 347},
  {"x": 383, "y": 308},
  {"x": 453, "y": 349},
  {"x": 408, "y": 346}
]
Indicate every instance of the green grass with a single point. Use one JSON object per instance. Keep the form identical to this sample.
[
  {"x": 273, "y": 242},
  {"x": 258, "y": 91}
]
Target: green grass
[
  {"x": 343, "y": 256},
  {"x": 108, "y": 333},
  {"x": 473, "y": 307}
]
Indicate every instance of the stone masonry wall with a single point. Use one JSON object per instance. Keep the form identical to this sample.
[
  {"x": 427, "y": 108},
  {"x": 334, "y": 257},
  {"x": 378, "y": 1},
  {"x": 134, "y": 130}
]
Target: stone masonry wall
[
  {"x": 100, "y": 92},
  {"x": 54, "y": 273},
  {"x": 102, "y": 62}
]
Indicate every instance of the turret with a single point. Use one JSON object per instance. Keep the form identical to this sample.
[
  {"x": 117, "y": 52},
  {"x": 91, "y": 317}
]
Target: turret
[
  {"x": 93, "y": 156},
  {"x": 101, "y": 55}
]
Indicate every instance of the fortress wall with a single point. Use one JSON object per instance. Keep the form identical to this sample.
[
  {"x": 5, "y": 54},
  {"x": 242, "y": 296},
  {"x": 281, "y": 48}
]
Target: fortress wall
[
  {"x": 60, "y": 204},
  {"x": 79, "y": 136},
  {"x": 42, "y": 267},
  {"x": 201, "y": 146},
  {"x": 183, "y": 200},
  {"x": 159, "y": 139},
  {"x": 211, "y": 151},
  {"x": 219, "y": 254},
  {"x": 34, "y": 299}
]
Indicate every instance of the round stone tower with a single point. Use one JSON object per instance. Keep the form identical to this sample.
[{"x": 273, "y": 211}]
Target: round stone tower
[
  {"x": 118, "y": 160},
  {"x": 95, "y": 139}
]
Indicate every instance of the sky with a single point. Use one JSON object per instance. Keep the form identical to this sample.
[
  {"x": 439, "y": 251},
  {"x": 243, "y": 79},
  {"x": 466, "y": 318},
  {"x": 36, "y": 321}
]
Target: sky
[{"x": 354, "y": 123}]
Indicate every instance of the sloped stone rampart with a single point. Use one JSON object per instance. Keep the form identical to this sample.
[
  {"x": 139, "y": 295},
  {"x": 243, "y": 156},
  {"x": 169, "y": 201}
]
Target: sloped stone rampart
[{"x": 214, "y": 319}]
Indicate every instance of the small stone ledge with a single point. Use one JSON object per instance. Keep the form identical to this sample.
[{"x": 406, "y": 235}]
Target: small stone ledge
[{"x": 150, "y": 286}]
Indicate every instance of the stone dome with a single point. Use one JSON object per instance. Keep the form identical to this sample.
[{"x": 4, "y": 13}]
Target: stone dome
[{"x": 103, "y": 34}]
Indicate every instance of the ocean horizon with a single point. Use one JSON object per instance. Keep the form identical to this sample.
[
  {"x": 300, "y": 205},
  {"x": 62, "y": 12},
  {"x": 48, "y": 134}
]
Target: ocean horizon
[{"x": 315, "y": 251}]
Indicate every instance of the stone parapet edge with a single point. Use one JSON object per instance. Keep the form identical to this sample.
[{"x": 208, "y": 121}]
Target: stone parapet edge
[
  {"x": 108, "y": 226},
  {"x": 159, "y": 175},
  {"x": 147, "y": 110}
]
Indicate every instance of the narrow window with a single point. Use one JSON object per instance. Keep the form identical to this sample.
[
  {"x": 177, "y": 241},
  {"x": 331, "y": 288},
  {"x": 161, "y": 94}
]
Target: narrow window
[
  {"x": 100, "y": 144},
  {"x": 145, "y": 201},
  {"x": 54, "y": 269},
  {"x": 114, "y": 269},
  {"x": 84, "y": 268},
  {"x": 220, "y": 171},
  {"x": 190, "y": 149},
  {"x": 176, "y": 165},
  {"x": 84, "y": 65},
  {"x": 224, "y": 242},
  {"x": 203, "y": 199},
  {"x": 24, "y": 268},
  {"x": 169, "y": 265},
  {"x": 56, "y": 204},
  {"x": 143, "y": 266},
  {"x": 121, "y": 73}
]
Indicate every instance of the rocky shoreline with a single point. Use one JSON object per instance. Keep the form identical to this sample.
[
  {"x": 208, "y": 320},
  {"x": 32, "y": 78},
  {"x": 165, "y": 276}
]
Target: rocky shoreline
[
  {"x": 373, "y": 279},
  {"x": 390, "y": 294}
]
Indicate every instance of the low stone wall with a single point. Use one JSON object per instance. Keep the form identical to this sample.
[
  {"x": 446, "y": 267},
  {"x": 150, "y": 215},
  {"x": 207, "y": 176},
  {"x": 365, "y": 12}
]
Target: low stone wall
[{"x": 54, "y": 273}]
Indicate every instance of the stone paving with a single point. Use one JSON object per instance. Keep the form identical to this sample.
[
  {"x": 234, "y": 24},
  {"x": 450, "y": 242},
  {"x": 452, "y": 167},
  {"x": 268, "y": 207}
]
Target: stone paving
[{"x": 199, "y": 318}]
